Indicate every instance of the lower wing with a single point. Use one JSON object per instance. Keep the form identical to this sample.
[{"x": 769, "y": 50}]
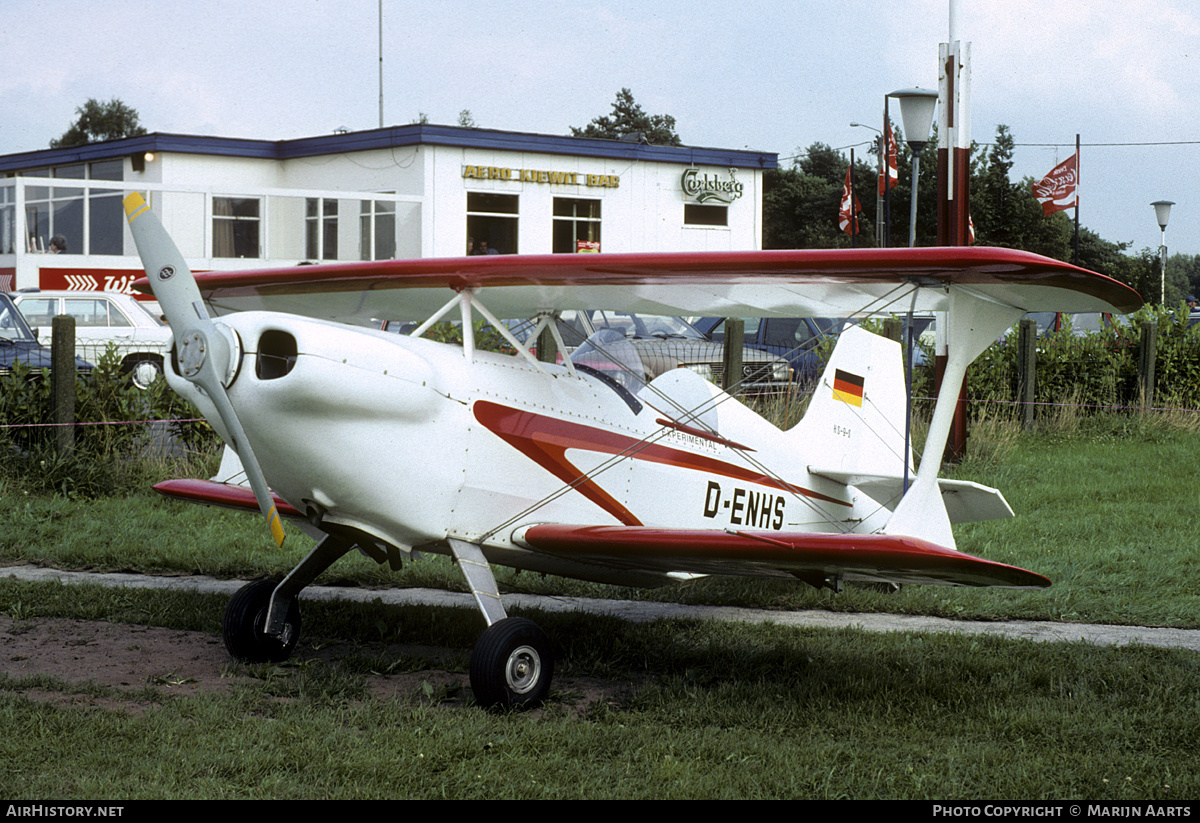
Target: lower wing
[{"x": 812, "y": 557}]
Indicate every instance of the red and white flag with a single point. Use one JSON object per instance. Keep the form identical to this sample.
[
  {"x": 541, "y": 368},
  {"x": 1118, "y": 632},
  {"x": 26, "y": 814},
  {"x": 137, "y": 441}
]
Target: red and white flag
[
  {"x": 889, "y": 174},
  {"x": 1059, "y": 189},
  {"x": 847, "y": 217}
]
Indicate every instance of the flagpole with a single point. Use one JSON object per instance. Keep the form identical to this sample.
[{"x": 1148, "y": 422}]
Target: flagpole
[{"x": 1078, "y": 179}]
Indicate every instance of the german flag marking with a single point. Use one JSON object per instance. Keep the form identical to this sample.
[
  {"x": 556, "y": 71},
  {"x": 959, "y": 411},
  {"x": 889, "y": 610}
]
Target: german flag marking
[{"x": 847, "y": 387}]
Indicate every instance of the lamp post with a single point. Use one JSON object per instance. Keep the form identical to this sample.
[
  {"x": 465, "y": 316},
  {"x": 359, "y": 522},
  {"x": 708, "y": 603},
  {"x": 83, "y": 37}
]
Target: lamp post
[
  {"x": 916, "y": 112},
  {"x": 1162, "y": 211},
  {"x": 879, "y": 153}
]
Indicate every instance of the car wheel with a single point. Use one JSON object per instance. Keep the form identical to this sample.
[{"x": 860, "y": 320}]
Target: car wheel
[{"x": 143, "y": 373}]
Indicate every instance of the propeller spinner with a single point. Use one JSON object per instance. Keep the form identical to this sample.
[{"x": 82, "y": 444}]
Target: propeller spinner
[{"x": 208, "y": 352}]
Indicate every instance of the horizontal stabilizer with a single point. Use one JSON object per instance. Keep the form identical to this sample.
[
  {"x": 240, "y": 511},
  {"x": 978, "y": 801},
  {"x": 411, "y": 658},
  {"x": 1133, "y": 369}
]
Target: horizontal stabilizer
[
  {"x": 812, "y": 557},
  {"x": 966, "y": 502}
]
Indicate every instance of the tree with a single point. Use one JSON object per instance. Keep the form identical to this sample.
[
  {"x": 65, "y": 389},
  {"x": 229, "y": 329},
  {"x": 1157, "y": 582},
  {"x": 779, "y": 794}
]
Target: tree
[
  {"x": 466, "y": 120},
  {"x": 112, "y": 120},
  {"x": 628, "y": 118},
  {"x": 800, "y": 204}
]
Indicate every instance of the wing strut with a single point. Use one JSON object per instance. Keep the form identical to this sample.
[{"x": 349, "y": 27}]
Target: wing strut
[
  {"x": 466, "y": 300},
  {"x": 973, "y": 322}
]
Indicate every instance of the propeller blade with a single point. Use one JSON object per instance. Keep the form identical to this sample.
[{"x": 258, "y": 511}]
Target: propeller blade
[{"x": 205, "y": 349}]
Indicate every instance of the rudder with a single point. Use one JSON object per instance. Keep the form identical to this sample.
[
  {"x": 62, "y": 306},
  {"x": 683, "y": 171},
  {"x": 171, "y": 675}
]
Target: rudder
[{"x": 855, "y": 422}]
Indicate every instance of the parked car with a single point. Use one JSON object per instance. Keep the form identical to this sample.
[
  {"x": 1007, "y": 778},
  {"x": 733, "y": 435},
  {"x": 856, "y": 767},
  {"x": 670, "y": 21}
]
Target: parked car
[
  {"x": 661, "y": 344},
  {"x": 798, "y": 339},
  {"x": 142, "y": 340},
  {"x": 18, "y": 342},
  {"x": 795, "y": 339},
  {"x": 665, "y": 343}
]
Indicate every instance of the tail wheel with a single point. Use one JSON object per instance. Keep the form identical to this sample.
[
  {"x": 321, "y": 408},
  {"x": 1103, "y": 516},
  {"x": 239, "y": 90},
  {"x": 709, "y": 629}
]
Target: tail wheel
[
  {"x": 246, "y": 619},
  {"x": 511, "y": 665}
]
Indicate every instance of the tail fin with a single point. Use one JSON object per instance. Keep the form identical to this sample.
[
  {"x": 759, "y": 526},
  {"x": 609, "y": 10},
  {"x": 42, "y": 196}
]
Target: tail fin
[{"x": 854, "y": 427}]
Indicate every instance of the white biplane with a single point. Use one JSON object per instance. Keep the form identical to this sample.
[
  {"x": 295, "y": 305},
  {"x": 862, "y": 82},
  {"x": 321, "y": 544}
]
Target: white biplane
[{"x": 395, "y": 445}]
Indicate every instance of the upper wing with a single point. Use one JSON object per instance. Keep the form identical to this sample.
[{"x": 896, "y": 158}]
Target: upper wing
[
  {"x": 830, "y": 283},
  {"x": 812, "y": 557}
]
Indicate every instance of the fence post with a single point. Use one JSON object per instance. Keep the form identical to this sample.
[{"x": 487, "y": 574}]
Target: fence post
[
  {"x": 62, "y": 384},
  {"x": 731, "y": 356},
  {"x": 1026, "y": 369},
  {"x": 1146, "y": 356}
]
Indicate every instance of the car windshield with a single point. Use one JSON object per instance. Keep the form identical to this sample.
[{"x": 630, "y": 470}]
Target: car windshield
[
  {"x": 641, "y": 327},
  {"x": 12, "y": 324},
  {"x": 1086, "y": 321}
]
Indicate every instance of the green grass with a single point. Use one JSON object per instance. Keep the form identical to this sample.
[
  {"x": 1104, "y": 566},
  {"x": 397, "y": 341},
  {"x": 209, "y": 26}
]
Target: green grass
[{"x": 713, "y": 711}]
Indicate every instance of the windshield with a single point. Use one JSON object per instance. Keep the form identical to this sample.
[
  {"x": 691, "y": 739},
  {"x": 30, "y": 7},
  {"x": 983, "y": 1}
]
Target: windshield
[
  {"x": 608, "y": 352},
  {"x": 12, "y": 324}
]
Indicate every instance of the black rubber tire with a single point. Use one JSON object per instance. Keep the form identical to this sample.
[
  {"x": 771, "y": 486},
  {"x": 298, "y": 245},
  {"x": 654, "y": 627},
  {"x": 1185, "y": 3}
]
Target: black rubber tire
[
  {"x": 245, "y": 617},
  {"x": 512, "y": 665}
]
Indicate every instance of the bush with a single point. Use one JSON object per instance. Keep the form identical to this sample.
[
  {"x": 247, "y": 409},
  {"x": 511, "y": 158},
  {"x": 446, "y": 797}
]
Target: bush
[
  {"x": 111, "y": 430},
  {"x": 1095, "y": 370}
]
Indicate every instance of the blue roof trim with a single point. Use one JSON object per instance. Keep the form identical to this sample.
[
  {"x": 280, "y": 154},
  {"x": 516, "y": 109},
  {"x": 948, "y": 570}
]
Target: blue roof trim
[{"x": 391, "y": 137}]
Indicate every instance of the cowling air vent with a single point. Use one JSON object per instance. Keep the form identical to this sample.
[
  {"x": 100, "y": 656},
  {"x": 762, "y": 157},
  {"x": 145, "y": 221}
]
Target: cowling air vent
[{"x": 276, "y": 355}]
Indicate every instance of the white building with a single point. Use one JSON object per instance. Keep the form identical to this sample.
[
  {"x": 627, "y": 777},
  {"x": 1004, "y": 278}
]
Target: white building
[{"x": 400, "y": 192}]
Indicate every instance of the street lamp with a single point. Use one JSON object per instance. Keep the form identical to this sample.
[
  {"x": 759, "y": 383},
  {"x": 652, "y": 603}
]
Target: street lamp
[
  {"x": 916, "y": 112},
  {"x": 1162, "y": 211},
  {"x": 880, "y": 152}
]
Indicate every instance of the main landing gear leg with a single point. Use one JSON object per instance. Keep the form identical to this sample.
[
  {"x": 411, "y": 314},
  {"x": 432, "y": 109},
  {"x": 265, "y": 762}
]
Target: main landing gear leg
[
  {"x": 262, "y": 620},
  {"x": 511, "y": 664}
]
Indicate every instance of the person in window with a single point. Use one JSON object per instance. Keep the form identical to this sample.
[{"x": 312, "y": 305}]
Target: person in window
[{"x": 58, "y": 244}]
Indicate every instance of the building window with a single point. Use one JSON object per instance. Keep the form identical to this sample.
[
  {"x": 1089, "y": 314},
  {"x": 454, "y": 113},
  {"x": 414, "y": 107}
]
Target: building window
[
  {"x": 321, "y": 235},
  {"x": 377, "y": 229},
  {"x": 576, "y": 225},
  {"x": 492, "y": 223},
  {"x": 235, "y": 227},
  {"x": 697, "y": 215},
  {"x": 8, "y": 219},
  {"x": 106, "y": 214},
  {"x": 64, "y": 211}
]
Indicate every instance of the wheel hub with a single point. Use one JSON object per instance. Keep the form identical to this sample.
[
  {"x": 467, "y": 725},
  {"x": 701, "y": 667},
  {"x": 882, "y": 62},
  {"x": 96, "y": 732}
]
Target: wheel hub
[{"x": 524, "y": 669}]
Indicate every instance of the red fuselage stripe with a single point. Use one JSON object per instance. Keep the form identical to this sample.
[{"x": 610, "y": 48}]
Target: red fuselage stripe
[{"x": 545, "y": 440}]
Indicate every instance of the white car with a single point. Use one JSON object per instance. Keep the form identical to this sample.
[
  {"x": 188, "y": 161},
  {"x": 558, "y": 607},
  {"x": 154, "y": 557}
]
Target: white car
[{"x": 141, "y": 338}]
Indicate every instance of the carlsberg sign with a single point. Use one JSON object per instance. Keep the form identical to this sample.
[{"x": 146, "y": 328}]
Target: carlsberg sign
[{"x": 705, "y": 187}]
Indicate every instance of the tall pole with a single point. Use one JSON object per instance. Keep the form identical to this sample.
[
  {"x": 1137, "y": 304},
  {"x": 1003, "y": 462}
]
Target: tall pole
[
  {"x": 912, "y": 211},
  {"x": 1078, "y": 180},
  {"x": 853, "y": 213},
  {"x": 381, "y": 64},
  {"x": 954, "y": 189},
  {"x": 887, "y": 189}
]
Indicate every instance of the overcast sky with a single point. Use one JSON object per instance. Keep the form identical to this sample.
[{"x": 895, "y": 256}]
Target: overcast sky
[{"x": 770, "y": 76}]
